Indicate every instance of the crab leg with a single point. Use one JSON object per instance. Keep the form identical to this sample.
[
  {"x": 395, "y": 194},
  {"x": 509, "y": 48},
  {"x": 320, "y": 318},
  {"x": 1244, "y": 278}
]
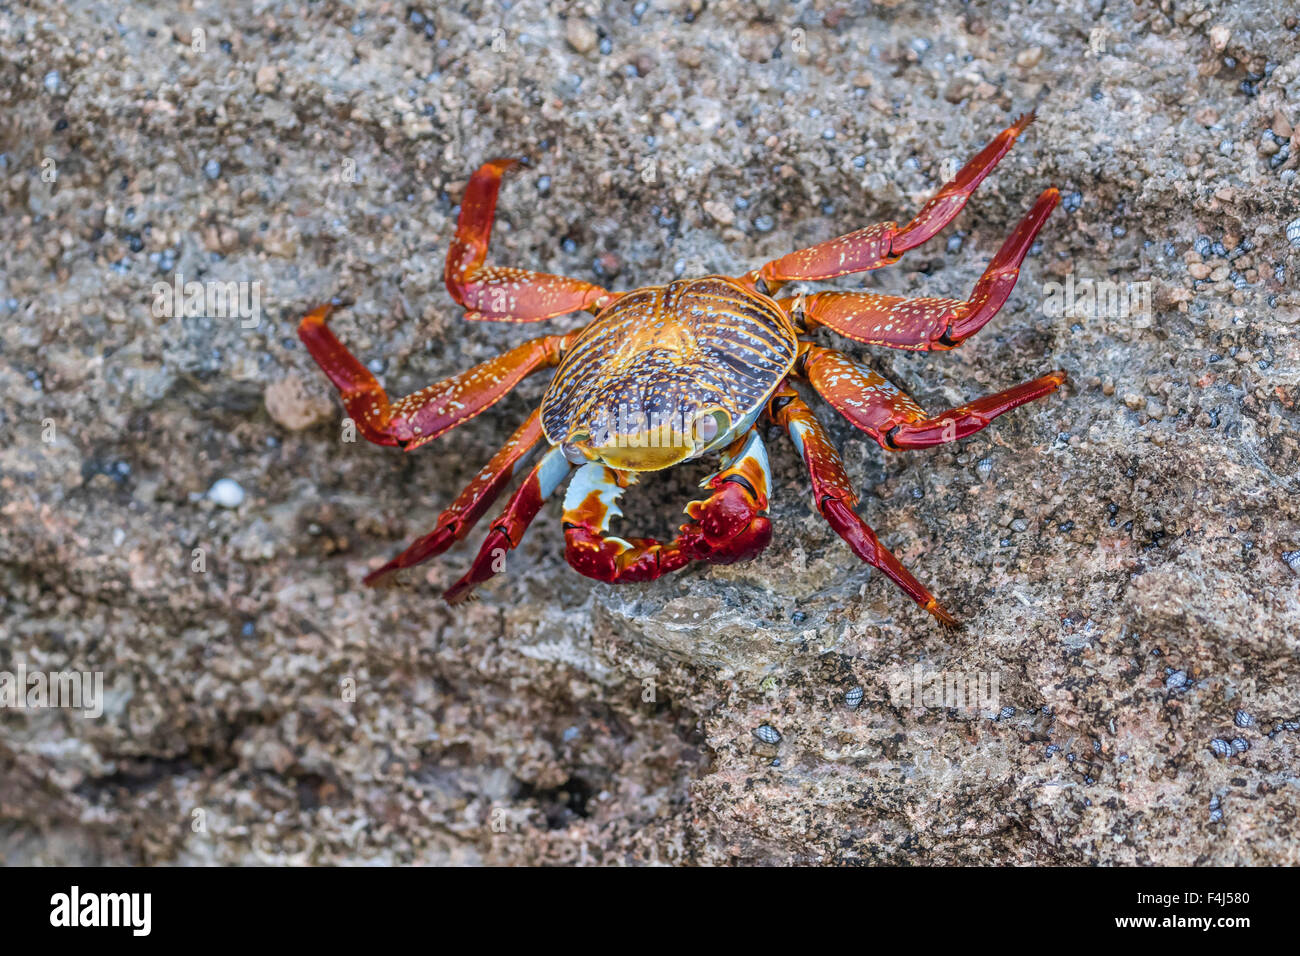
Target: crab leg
[
  {"x": 500, "y": 293},
  {"x": 834, "y": 497},
  {"x": 422, "y": 416},
  {"x": 466, "y": 510},
  {"x": 926, "y": 324},
  {"x": 730, "y": 525},
  {"x": 508, "y": 529},
  {"x": 892, "y": 418},
  {"x": 883, "y": 243}
]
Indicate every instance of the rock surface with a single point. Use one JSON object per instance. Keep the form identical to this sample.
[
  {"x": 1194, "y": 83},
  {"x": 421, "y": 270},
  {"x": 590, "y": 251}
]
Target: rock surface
[{"x": 1125, "y": 554}]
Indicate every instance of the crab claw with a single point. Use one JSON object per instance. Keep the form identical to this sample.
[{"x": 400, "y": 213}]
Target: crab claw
[
  {"x": 728, "y": 526},
  {"x": 607, "y": 558}
]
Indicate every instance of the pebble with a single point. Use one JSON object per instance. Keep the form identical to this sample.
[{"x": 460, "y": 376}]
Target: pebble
[
  {"x": 291, "y": 405},
  {"x": 266, "y": 78},
  {"x": 226, "y": 492},
  {"x": 720, "y": 212},
  {"x": 1030, "y": 57},
  {"x": 581, "y": 35}
]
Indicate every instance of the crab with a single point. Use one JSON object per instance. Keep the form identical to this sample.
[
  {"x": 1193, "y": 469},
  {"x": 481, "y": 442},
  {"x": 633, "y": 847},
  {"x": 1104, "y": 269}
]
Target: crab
[{"x": 673, "y": 373}]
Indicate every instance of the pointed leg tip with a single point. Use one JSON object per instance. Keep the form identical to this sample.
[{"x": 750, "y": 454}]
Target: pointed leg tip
[
  {"x": 1046, "y": 202},
  {"x": 382, "y": 578},
  {"x": 1023, "y": 120},
  {"x": 316, "y": 316},
  {"x": 942, "y": 615},
  {"x": 459, "y": 593}
]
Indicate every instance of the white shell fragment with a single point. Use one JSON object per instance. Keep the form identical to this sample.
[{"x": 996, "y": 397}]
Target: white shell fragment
[{"x": 226, "y": 492}]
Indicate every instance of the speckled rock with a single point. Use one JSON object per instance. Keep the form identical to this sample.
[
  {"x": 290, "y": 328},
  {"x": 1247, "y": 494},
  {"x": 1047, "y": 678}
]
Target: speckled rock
[{"x": 1123, "y": 553}]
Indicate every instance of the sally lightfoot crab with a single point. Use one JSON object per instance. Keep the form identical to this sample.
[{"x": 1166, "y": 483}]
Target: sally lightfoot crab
[{"x": 667, "y": 374}]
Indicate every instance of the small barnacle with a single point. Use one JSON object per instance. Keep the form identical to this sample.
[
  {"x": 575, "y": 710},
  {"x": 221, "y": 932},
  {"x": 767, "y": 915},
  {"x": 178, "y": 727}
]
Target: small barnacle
[{"x": 767, "y": 734}]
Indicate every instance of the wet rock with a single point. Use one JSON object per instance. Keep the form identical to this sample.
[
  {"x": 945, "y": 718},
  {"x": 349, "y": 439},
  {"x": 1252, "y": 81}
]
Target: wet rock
[{"x": 1139, "y": 523}]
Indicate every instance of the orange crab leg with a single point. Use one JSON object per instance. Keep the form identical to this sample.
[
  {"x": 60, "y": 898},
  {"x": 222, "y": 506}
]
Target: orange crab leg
[
  {"x": 500, "y": 293},
  {"x": 883, "y": 243},
  {"x": 466, "y": 510},
  {"x": 892, "y": 418},
  {"x": 926, "y": 324},
  {"x": 422, "y": 416},
  {"x": 834, "y": 497},
  {"x": 730, "y": 525},
  {"x": 508, "y": 529}
]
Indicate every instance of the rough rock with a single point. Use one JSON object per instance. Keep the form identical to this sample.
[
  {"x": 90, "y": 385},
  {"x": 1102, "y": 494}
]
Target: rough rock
[{"x": 1123, "y": 553}]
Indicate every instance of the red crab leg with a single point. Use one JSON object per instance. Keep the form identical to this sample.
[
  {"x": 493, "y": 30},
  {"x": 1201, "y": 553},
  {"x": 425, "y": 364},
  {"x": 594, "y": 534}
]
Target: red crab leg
[
  {"x": 465, "y": 511},
  {"x": 892, "y": 418},
  {"x": 424, "y": 415},
  {"x": 883, "y": 243},
  {"x": 500, "y": 293},
  {"x": 730, "y": 525},
  {"x": 834, "y": 497},
  {"x": 508, "y": 529},
  {"x": 927, "y": 324}
]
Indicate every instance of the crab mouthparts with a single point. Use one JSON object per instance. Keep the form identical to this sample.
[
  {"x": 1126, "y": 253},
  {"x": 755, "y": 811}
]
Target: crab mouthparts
[
  {"x": 648, "y": 448},
  {"x": 628, "y": 456}
]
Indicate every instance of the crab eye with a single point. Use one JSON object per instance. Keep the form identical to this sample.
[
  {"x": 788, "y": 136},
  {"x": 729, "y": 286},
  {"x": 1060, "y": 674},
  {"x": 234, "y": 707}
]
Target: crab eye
[
  {"x": 708, "y": 427},
  {"x": 571, "y": 451}
]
